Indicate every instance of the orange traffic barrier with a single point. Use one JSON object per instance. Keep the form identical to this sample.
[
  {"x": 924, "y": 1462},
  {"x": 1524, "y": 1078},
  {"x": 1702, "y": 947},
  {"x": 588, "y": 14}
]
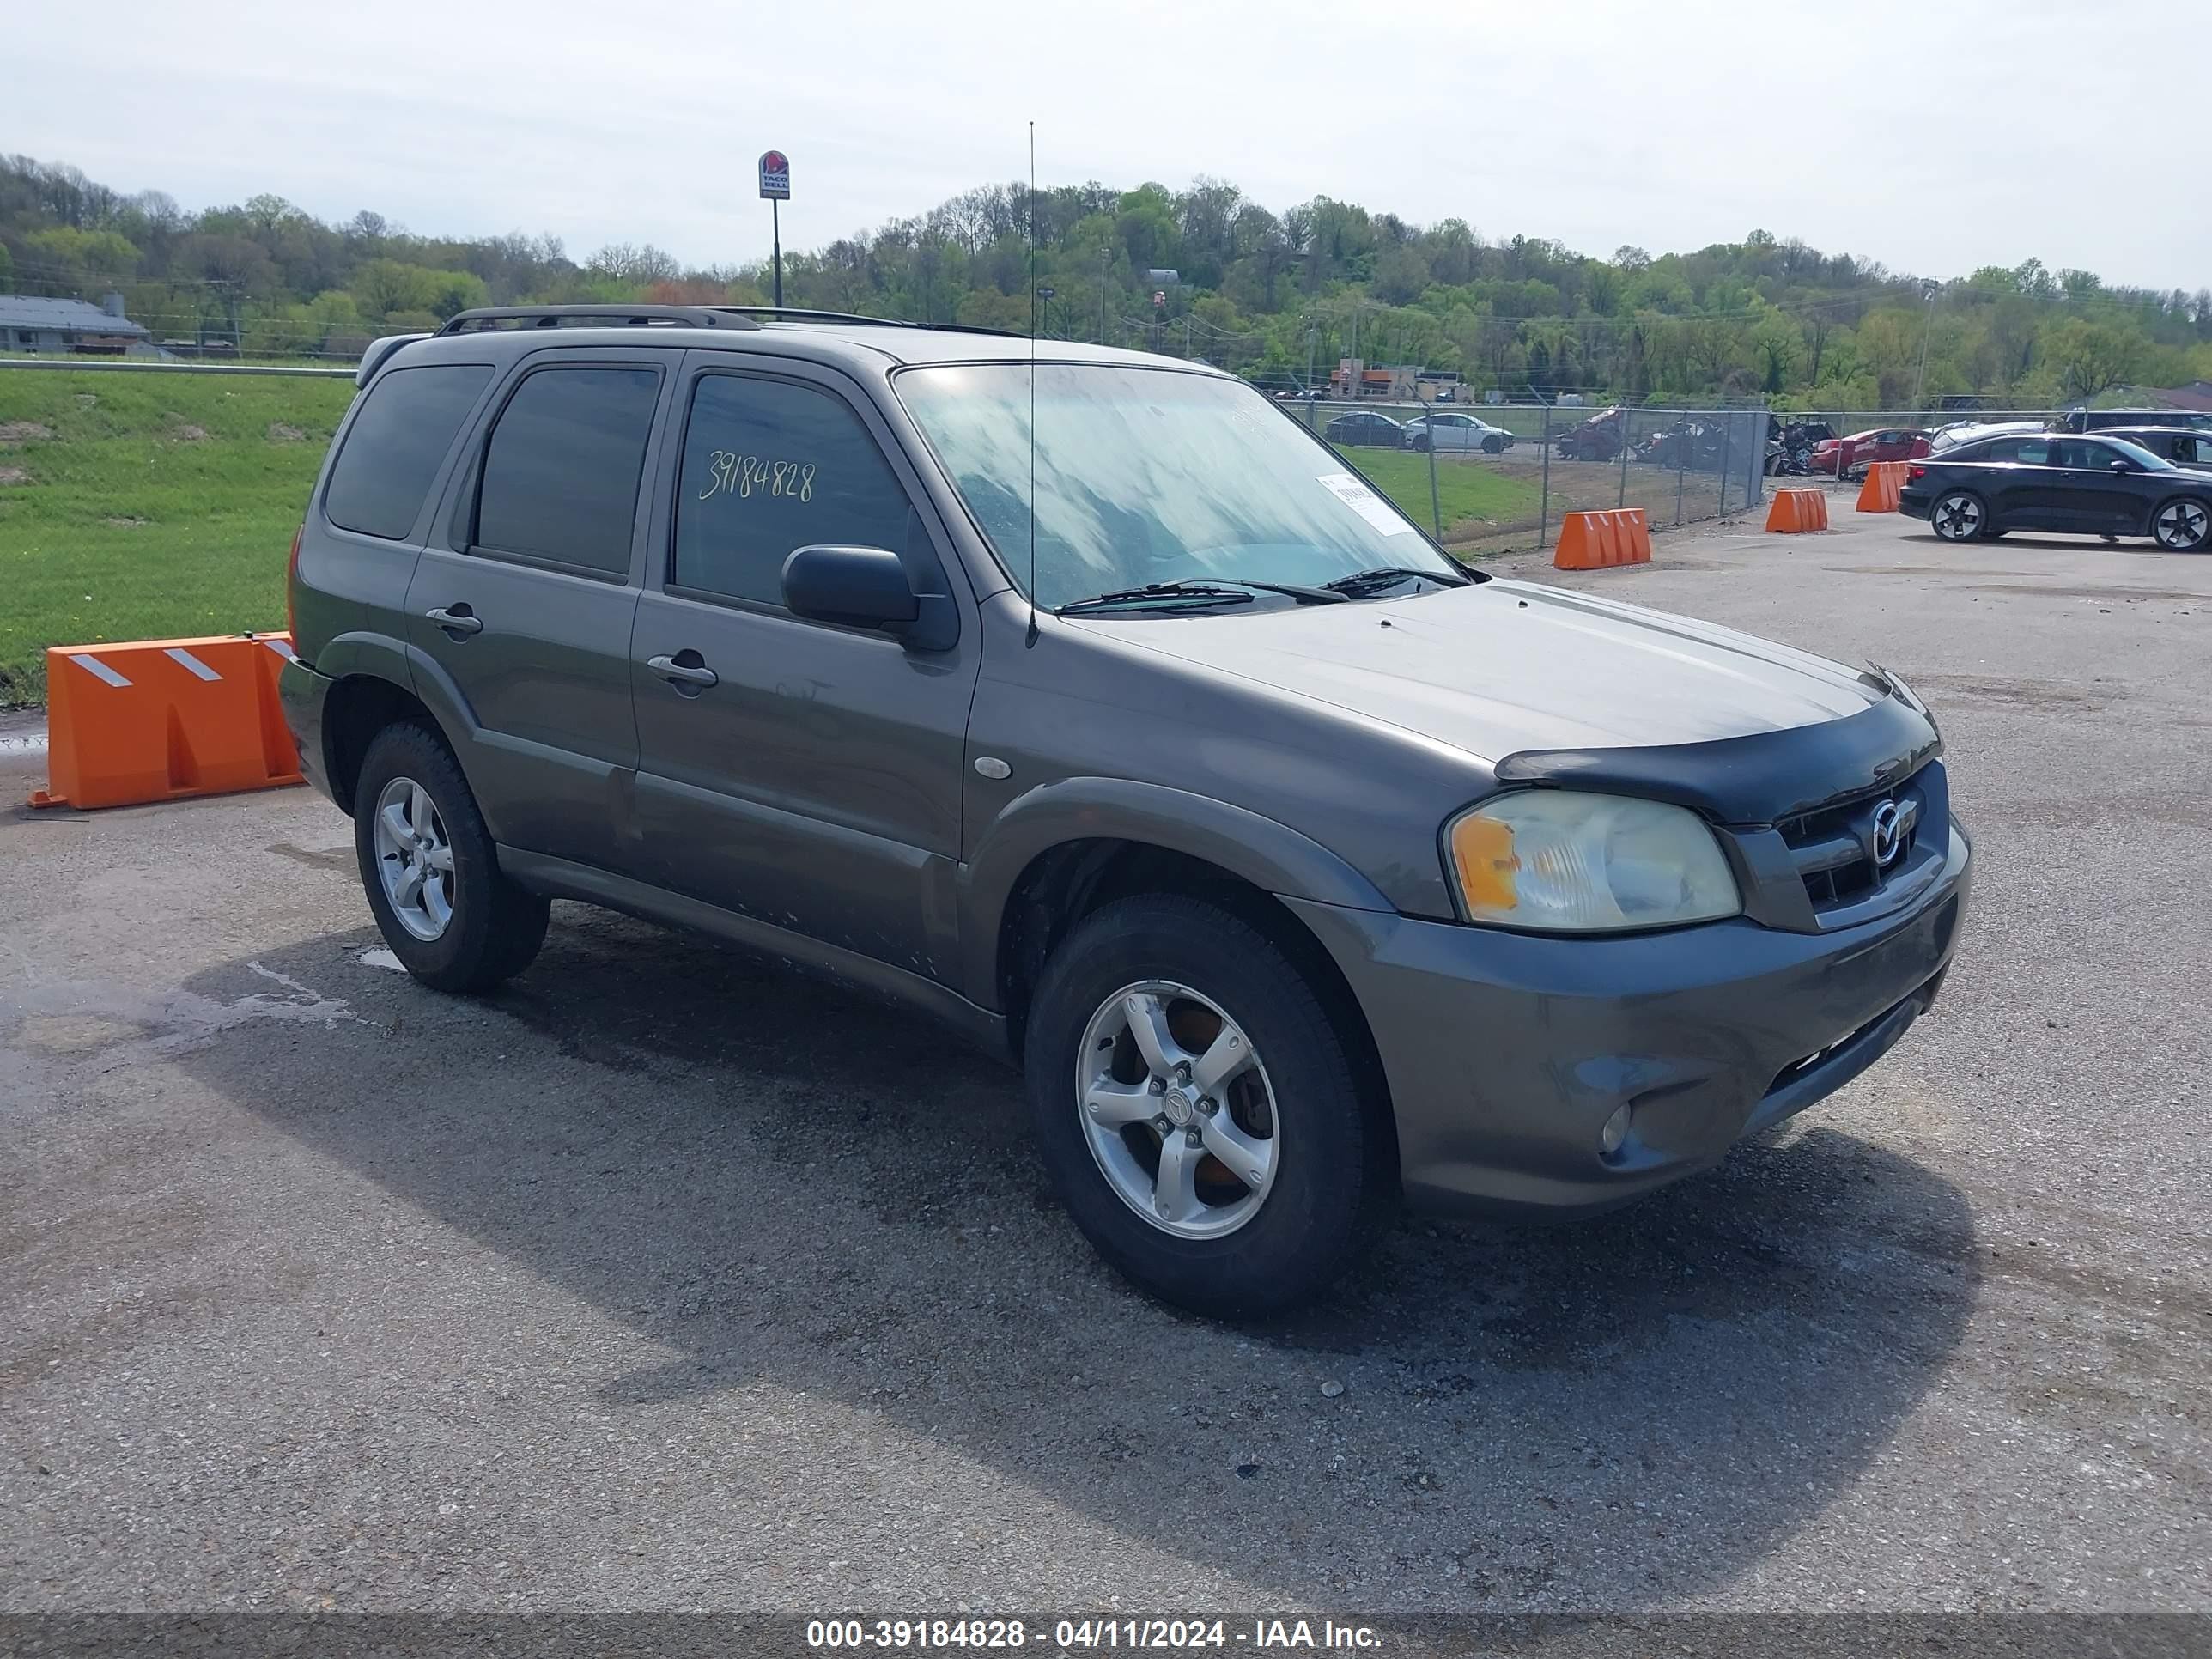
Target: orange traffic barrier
[
  {"x": 159, "y": 720},
  {"x": 1798, "y": 509},
  {"x": 1598, "y": 541},
  {"x": 1884, "y": 479}
]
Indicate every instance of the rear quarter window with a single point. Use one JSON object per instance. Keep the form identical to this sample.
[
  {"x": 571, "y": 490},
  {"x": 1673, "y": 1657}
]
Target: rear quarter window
[{"x": 395, "y": 444}]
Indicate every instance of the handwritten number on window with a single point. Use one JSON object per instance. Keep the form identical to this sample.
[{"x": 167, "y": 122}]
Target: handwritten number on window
[{"x": 746, "y": 475}]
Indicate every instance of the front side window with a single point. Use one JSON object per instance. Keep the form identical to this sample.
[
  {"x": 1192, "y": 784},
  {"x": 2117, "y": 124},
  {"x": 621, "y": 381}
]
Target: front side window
[
  {"x": 561, "y": 475},
  {"x": 2112, "y": 449},
  {"x": 770, "y": 466},
  {"x": 1147, "y": 476},
  {"x": 395, "y": 445}
]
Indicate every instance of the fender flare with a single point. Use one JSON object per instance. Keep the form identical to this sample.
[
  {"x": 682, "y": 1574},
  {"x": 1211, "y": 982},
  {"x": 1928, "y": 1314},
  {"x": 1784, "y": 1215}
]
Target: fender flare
[
  {"x": 1269, "y": 854},
  {"x": 379, "y": 657}
]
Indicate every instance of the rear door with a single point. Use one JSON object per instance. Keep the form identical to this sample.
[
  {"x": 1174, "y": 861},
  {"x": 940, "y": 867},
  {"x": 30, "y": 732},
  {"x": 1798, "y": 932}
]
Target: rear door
[
  {"x": 2021, "y": 485},
  {"x": 527, "y": 607},
  {"x": 803, "y": 774}
]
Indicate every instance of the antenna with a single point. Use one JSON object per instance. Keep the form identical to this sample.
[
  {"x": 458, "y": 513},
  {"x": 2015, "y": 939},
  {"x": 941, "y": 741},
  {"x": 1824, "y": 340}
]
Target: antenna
[{"x": 1030, "y": 639}]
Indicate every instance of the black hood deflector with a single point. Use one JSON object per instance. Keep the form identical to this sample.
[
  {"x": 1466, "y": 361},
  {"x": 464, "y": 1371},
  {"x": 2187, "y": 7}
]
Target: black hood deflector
[{"x": 1757, "y": 779}]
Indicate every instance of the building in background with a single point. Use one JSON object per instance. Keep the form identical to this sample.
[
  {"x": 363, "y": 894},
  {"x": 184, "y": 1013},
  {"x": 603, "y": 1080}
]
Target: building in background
[{"x": 30, "y": 323}]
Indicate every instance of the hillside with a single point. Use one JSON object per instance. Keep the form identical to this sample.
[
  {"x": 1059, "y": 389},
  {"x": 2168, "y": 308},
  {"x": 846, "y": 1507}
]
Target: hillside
[
  {"x": 1263, "y": 292},
  {"x": 141, "y": 506}
]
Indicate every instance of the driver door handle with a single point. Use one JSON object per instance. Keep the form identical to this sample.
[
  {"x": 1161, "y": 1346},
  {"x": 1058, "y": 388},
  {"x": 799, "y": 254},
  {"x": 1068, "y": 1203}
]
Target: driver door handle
[
  {"x": 693, "y": 672},
  {"x": 458, "y": 620}
]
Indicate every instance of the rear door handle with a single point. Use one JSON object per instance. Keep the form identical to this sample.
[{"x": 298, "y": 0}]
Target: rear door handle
[
  {"x": 678, "y": 672},
  {"x": 458, "y": 620}
]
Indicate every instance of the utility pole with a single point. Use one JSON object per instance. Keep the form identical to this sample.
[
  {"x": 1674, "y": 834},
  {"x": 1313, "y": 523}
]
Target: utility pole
[
  {"x": 1920, "y": 384},
  {"x": 1105, "y": 258}
]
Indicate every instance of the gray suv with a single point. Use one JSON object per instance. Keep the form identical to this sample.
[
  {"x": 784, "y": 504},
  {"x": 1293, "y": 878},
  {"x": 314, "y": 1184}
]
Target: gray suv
[{"x": 1093, "y": 706}]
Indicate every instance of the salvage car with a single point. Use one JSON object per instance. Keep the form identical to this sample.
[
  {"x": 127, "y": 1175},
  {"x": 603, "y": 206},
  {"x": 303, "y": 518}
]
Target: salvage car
[{"x": 1090, "y": 706}]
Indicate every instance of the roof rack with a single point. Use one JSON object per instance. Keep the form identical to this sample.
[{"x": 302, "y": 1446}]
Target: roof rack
[
  {"x": 490, "y": 317},
  {"x": 805, "y": 315}
]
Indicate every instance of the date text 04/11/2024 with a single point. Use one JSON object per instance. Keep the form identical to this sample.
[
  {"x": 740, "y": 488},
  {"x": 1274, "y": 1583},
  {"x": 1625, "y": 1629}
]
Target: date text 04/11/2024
[{"x": 1076, "y": 1635}]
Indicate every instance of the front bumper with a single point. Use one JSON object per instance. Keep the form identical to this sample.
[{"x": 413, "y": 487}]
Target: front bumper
[{"x": 1506, "y": 1053}]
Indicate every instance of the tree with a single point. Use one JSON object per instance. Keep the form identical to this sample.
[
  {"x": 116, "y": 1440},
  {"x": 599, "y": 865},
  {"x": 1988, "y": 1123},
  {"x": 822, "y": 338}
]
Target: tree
[{"x": 2090, "y": 357}]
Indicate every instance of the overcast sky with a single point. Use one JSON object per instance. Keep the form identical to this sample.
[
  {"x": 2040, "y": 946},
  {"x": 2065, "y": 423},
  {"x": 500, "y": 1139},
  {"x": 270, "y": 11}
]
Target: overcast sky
[{"x": 1932, "y": 136}]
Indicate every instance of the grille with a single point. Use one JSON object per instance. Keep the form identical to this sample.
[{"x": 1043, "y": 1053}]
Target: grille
[{"x": 1833, "y": 848}]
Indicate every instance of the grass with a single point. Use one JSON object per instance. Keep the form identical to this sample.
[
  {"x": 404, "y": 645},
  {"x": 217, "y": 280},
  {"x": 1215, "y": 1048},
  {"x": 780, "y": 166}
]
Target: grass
[
  {"x": 141, "y": 506},
  {"x": 1477, "y": 496}
]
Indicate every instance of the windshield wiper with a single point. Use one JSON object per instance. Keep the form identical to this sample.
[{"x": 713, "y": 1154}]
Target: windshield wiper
[
  {"x": 1360, "y": 582},
  {"x": 1204, "y": 592},
  {"x": 1228, "y": 590}
]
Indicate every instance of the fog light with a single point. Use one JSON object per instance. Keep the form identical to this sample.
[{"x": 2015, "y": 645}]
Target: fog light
[{"x": 1614, "y": 1132}]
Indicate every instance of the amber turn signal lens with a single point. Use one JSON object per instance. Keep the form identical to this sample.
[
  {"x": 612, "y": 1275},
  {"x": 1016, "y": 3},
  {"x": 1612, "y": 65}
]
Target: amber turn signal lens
[{"x": 1483, "y": 849}]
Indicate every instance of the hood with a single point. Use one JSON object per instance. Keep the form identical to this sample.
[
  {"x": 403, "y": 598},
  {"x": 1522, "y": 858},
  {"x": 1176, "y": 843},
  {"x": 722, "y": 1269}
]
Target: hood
[{"x": 1499, "y": 667}]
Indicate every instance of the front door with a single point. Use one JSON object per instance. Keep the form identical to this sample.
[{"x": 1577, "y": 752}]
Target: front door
[
  {"x": 527, "y": 595},
  {"x": 803, "y": 775},
  {"x": 2091, "y": 496}
]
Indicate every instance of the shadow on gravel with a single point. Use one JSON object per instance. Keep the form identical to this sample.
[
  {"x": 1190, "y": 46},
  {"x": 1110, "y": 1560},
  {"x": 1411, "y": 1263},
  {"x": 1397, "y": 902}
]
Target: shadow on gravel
[{"x": 785, "y": 1185}]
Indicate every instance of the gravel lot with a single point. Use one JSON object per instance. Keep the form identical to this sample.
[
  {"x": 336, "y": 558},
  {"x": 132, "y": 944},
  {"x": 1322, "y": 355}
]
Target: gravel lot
[{"x": 663, "y": 1280}]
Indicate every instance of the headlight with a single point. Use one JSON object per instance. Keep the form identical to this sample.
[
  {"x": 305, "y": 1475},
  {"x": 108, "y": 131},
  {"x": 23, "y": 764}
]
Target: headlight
[{"x": 1559, "y": 862}]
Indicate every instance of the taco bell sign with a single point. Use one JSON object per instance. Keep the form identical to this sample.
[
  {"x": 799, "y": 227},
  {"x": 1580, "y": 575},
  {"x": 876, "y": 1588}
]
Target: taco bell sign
[{"x": 775, "y": 176}]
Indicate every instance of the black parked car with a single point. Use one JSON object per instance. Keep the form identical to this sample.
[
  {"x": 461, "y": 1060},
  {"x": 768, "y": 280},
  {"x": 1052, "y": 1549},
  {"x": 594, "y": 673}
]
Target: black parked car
[
  {"x": 2183, "y": 446},
  {"x": 2106, "y": 420},
  {"x": 2098, "y": 486},
  {"x": 1377, "y": 431}
]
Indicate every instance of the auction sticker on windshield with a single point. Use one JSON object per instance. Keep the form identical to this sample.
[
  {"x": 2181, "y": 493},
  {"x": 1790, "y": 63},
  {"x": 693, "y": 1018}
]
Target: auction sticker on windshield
[{"x": 1365, "y": 502}]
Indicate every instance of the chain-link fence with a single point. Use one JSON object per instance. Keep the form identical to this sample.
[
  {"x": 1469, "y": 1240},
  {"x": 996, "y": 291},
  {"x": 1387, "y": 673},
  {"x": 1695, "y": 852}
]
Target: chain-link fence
[{"x": 1489, "y": 477}]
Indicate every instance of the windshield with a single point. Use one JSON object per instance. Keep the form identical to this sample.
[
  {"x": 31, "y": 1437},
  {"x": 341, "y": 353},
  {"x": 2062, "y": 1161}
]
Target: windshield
[
  {"x": 2142, "y": 456},
  {"x": 1147, "y": 476}
]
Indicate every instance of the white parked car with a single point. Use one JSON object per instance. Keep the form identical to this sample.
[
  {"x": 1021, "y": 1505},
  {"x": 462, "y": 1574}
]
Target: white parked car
[{"x": 1448, "y": 431}]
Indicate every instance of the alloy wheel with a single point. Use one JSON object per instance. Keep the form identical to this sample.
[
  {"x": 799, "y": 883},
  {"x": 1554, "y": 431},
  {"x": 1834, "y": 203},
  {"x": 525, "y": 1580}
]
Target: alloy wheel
[
  {"x": 1957, "y": 518},
  {"x": 2181, "y": 526},
  {"x": 1177, "y": 1109},
  {"x": 414, "y": 859}
]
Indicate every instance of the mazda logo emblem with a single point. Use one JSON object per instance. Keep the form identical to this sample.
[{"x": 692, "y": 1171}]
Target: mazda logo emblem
[{"x": 1888, "y": 836}]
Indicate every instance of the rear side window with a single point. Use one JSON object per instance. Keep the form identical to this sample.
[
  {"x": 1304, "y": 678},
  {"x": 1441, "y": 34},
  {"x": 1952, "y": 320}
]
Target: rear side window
[
  {"x": 769, "y": 467},
  {"x": 560, "y": 473},
  {"x": 395, "y": 445}
]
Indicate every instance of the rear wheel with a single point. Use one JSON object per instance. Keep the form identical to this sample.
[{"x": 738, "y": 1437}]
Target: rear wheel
[
  {"x": 1198, "y": 1109},
  {"x": 430, "y": 869},
  {"x": 1958, "y": 516},
  {"x": 2182, "y": 524}
]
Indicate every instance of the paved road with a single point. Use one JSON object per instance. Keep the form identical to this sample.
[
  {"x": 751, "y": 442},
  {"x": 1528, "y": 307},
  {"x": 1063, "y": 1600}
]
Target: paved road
[{"x": 665, "y": 1281}]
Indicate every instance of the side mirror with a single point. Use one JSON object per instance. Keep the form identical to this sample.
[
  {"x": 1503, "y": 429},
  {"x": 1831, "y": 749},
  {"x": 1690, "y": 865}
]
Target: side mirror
[
  {"x": 2122, "y": 466},
  {"x": 867, "y": 587}
]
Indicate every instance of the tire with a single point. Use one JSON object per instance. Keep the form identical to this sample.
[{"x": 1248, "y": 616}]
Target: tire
[
  {"x": 1292, "y": 1106},
  {"x": 1419, "y": 444},
  {"x": 1493, "y": 446},
  {"x": 490, "y": 929},
  {"x": 2183, "y": 524},
  {"x": 1957, "y": 515}
]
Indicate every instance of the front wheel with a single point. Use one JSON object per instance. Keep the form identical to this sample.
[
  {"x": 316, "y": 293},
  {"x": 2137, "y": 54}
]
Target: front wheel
[
  {"x": 1958, "y": 516},
  {"x": 1493, "y": 446},
  {"x": 1198, "y": 1109},
  {"x": 2182, "y": 526},
  {"x": 431, "y": 871}
]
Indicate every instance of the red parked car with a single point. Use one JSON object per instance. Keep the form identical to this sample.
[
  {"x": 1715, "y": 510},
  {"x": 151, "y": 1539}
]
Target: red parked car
[{"x": 1843, "y": 456}]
